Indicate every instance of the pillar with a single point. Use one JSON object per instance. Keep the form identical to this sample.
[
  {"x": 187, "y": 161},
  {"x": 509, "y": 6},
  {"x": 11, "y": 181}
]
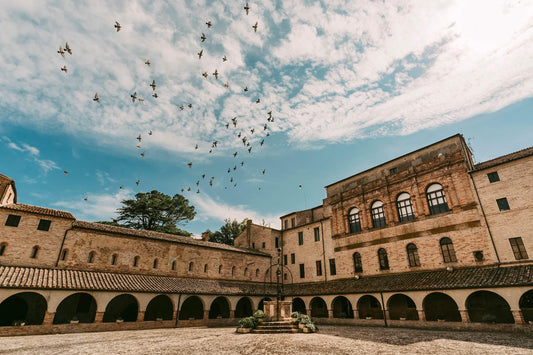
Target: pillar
[
  {"x": 387, "y": 314},
  {"x": 48, "y": 318},
  {"x": 464, "y": 316},
  {"x": 174, "y": 315},
  {"x": 421, "y": 315},
  {"x": 99, "y": 317},
  {"x": 140, "y": 316},
  {"x": 518, "y": 316},
  {"x": 206, "y": 314},
  {"x": 232, "y": 313},
  {"x": 330, "y": 313}
]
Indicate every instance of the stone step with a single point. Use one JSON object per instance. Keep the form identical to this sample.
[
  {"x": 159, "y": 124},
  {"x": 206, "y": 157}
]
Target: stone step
[
  {"x": 274, "y": 327},
  {"x": 277, "y": 322},
  {"x": 275, "y": 331}
]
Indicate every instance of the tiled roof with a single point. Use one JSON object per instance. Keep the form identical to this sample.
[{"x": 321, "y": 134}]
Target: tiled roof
[
  {"x": 38, "y": 210},
  {"x": 61, "y": 279},
  {"x": 4, "y": 183},
  {"x": 477, "y": 277},
  {"x": 161, "y": 236},
  {"x": 504, "y": 159}
]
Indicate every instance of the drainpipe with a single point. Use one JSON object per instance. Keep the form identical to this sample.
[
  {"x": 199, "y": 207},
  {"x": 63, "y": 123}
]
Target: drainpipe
[
  {"x": 62, "y": 244},
  {"x": 324, "y": 253},
  {"x": 383, "y": 309},
  {"x": 485, "y": 218},
  {"x": 178, "y": 312}
]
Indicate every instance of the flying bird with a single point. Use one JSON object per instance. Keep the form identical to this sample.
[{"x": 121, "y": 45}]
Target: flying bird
[
  {"x": 197, "y": 182},
  {"x": 139, "y": 138},
  {"x": 96, "y": 98},
  {"x": 250, "y": 150},
  {"x": 147, "y": 62},
  {"x": 117, "y": 26},
  {"x": 242, "y": 163},
  {"x": 142, "y": 154},
  {"x": 155, "y": 95},
  {"x": 255, "y": 27},
  {"x": 190, "y": 164},
  {"x": 198, "y": 191},
  {"x": 150, "y": 133},
  {"x": 234, "y": 167},
  {"x": 208, "y": 23},
  {"x": 182, "y": 107},
  {"x": 265, "y": 127},
  {"x": 216, "y": 74},
  {"x": 231, "y": 180},
  {"x": 264, "y": 171},
  {"x": 203, "y": 176},
  {"x": 190, "y": 105},
  {"x": 64, "y": 68},
  {"x": 205, "y": 75},
  {"x": 226, "y": 85},
  {"x": 139, "y": 146},
  {"x": 224, "y": 58},
  {"x": 86, "y": 198},
  {"x": 134, "y": 96},
  {"x": 196, "y": 146},
  {"x": 229, "y": 170},
  {"x": 141, "y": 100},
  {"x": 200, "y": 54},
  {"x": 252, "y": 130},
  {"x": 245, "y": 89},
  {"x": 227, "y": 125},
  {"x": 67, "y": 49},
  {"x": 234, "y": 120},
  {"x": 258, "y": 101},
  {"x": 247, "y": 8},
  {"x": 262, "y": 142},
  {"x": 121, "y": 187},
  {"x": 153, "y": 85},
  {"x": 235, "y": 154},
  {"x": 60, "y": 51},
  {"x": 203, "y": 38},
  {"x": 210, "y": 182},
  {"x": 66, "y": 172},
  {"x": 137, "y": 182}
]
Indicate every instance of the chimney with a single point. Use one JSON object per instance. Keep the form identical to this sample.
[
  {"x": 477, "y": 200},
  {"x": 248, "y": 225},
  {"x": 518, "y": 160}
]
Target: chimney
[{"x": 205, "y": 236}]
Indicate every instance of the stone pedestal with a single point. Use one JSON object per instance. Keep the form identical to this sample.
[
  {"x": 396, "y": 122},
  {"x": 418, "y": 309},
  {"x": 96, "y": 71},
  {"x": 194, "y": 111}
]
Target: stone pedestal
[
  {"x": 421, "y": 315},
  {"x": 464, "y": 316},
  {"x": 280, "y": 310},
  {"x": 98, "y": 317},
  {"x": 140, "y": 316}
]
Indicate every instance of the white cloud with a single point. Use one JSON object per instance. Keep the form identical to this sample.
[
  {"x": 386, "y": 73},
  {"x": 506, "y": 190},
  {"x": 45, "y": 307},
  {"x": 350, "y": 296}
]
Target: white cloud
[{"x": 45, "y": 164}]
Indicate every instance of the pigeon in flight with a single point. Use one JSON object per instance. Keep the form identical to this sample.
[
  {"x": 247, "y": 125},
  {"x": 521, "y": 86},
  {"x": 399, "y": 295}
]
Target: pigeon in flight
[
  {"x": 264, "y": 171},
  {"x": 258, "y": 101},
  {"x": 60, "y": 51},
  {"x": 64, "y": 68},
  {"x": 234, "y": 120},
  {"x": 142, "y": 155},
  {"x": 216, "y": 74},
  {"x": 208, "y": 23},
  {"x": 196, "y": 146},
  {"x": 205, "y": 75},
  {"x": 227, "y": 125},
  {"x": 247, "y": 8},
  {"x": 255, "y": 27},
  {"x": 150, "y": 133},
  {"x": 141, "y": 100},
  {"x": 139, "y": 138},
  {"x": 66, "y": 172},
  {"x": 224, "y": 58},
  {"x": 245, "y": 89},
  {"x": 265, "y": 127},
  {"x": 117, "y": 26},
  {"x": 121, "y": 187},
  {"x": 67, "y": 49},
  {"x": 242, "y": 163},
  {"x": 137, "y": 182},
  {"x": 203, "y": 38},
  {"x": 250, "y": 150},
  {"x": 134, "y": 96},
  {"x": 153, "y": 85},
  {"x": 182, "y": 107},
  {"x": 226, "y": 85},
  {"x": 86, "y": 198},
  {"x": 200, "y": 54},
  {"x": 190, "y": 165},
  {"x": 235, "y": 154},
  {"x": 147, "y": 62},
  {"x": 262, "y": 142},
  {"x": 139, "y": 146},
  {"x": 96, "y": 98},
  {"x": 252, "y": 130},
  {"x": 154, "y": 95},
  {"x": 190, "y": 105}
]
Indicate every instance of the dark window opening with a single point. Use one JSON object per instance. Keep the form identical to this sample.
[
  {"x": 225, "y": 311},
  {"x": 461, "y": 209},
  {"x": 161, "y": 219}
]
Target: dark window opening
[
  {"x": 34, "y": 252},
  {"x": 12, "y": 220},
  {"x": 285, "y": 259},
  {"x": 436, "y": 199},
  {"x": 44, "y": 225},
  {"x": 332, "y": 267},
  {"x": 293, "y": 222},
  {"x": 276, "y": 242},
  {"x": 173, "y": 267},
  {"x": 264, "y": 245},
  {"x": 205, "y": 268},
  {"x": 357, "y": 264},
  {"x": 317, "y": 234},
  {"x": 3, "y": 247},
  {"x": 91, "y": 257},
  {"x": 448, "y": 252},
  {"x": 318, "y": 268},
  {"x": 393, "y": 171},
  {"x": 135, "y": 261},
  {"x": 405, "y": 207},
  {"x": 155, "y": 264},
  {"x": 113, "y": 259},
  {"x": 493, "y": 177},
  {"x": 412, "y": 255},
  {"x": 293, "y": 258},
  {"x": 302, "y": 271},
  {"x": 354, "y": 221},
  {"x": 519, "y": 250},
  {"x": 503, "y": 205},
  {"x": 300, "y": 238},
  {"x": 383, "y": 259},
  {"x": 64, "y": 254}
]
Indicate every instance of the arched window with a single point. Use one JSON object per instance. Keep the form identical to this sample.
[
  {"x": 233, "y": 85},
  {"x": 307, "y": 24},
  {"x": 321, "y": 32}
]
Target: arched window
[
  {"x": 136, "y": 261},
  {"x": 354, "y": 222},
  {"x": 63, "y": 254},
  {"x": 190, "y": 266},
  {"x": 405, "y": 207},
  {"x": 205, "y": 268},
  {"x": 448, "y": 252},
  {"x": 155, "y": 264},
  {"x": 245, "y": 271},
  {"x": 256, "y": 272},
  {"x": 173, "y": 267},
  {"x": 378, "y": 215},
  {"x": 92, "y": 254},
  {"x": 436, "y": 199},
  {"x": 357, "y": 264},
  {"x": 3, "y": 247},
  {"x": 114, "y": 259},
  {"x": 412, "y": 255},
  {"x": 220, "y": 269},
  {"x": 232, "y": 270},
  {"x": 383, "y": 259},
  {"x": 34, "y": 252}
]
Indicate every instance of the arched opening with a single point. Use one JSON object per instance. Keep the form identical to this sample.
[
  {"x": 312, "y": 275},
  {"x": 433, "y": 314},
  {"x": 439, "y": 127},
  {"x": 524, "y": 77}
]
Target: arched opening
[
  {"x": 160, "y": 307},
  {"x": 488, "y": 307},
  {"x": 192, "y": 308},
  {"x": 123, "y": 307},
  {"x": 318, "y": 307},
  {"x": 261, "y": 305},
  {"x": 298, "y": 305},
  {"x": 219, "y": 308},
  {"x": 369, "y": 307},
  {"x": 402, "y": 306},
  {"x": 438, "y": 305},
  {"x": 526, "y": 306},
  {"x": 24, "y": 307},
  {"x": 79, "y": 306},
  {"x": 342, "y": 308},
  {"x": 243, "y": 308}
]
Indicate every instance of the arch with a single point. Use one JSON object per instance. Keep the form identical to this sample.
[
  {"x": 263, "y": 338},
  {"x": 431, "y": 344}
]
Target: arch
[
  {"x": 191, "y": 264},
  {"x": 91, "y": 257},
  {"x": 412, "y": 255},
  {"x": 488, "y": 307},
  {"x": 383, "y": 259},
  {"x": 438, "y": 305},
  {"x": 80, "y": 306},
  {"x": 526, "y": 306},
  {"x": 298, "y": 305},
  {"x": 357, "y": 262},
  {"x": 160, "y": 307},
  {"x": 342, "y": 308},
  {"x": 206, "y": 267},
  {"x": 369, "y": 307},
  {"x": 219, "y": 308},
  {"x": 154, "y": 266},
  {"x": 123, "y": 307},
  {"x": 261, "y": 304},
  {"x": 378, "y": 214},
  {"x": 404, "y": 207},
  {"x": 34, "y": 252},
  {"x": 402, "y": 306},
  {"x": 244, "y": 308},
  {"x": 3, "y": 247},
  {"x": 27, "y": 307},
  {"x": 256, "y": 272},
  {"x": 114, "y": 259},
  {"x": 136, "y": 261},
  {"x": 447, "y": 250},
  {"x": 318, "y": 307},
  {"x": 436, "y": 199},
  {"x": 354, "y": 220},
  {"x": 192, "y": 308}
]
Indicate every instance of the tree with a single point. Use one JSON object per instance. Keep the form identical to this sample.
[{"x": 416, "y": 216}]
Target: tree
[
  {"x": 227, "y": 232},
  {"x": 156, "y": 211}
]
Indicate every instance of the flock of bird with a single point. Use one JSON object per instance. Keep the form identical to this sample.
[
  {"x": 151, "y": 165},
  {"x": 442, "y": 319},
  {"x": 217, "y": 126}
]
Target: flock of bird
[{"x": 243, "y": 134}]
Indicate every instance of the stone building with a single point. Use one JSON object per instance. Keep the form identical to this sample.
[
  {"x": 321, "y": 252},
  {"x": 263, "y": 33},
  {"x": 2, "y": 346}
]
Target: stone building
[{"x": 428, "y": 239}]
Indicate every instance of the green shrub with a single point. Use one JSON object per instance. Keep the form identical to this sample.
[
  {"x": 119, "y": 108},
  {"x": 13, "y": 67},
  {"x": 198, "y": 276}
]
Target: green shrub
[
  {"x": 304, "y": 319},
  {"x": 259, "y": 314},
  {"x": 295, "y": 315},
  {"x": 311, "y": 327},
  {"x": 248, "y": 322}
]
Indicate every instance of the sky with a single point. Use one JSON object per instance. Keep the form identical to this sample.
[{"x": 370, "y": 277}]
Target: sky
[{"x": 349, "y": 84}]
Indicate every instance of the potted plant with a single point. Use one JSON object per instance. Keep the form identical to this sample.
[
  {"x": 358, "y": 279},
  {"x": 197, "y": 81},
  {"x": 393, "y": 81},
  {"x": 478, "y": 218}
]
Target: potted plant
[
  {"x": 303, "y": 320},
  {"x": 295, "y": 316},
  {"x": 74, "y": 320},
  {"x": 309, "y": 328},
  {"x": 246, "y": 325},
  {"x": 19, "y": 323},
  {"x": 260, "y": 316}
]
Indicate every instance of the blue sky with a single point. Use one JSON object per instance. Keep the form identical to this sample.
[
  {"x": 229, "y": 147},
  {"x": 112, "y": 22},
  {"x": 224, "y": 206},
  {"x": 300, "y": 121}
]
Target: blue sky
[{"x": 350, "y": 85}]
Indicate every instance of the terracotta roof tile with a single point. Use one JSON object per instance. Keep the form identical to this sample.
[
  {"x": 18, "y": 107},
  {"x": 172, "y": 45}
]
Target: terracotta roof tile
[
  {"x": 504, "y": 159},
  {"x": 38, "y": 210},
  {"x": 521, "y": 275}
]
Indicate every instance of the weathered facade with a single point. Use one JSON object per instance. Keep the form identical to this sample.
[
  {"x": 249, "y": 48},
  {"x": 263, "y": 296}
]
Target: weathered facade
[{"x": 429, "y": 238}]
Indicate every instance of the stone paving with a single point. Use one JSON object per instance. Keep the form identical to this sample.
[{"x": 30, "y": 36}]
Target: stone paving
[{"x": 330, "y": 340}]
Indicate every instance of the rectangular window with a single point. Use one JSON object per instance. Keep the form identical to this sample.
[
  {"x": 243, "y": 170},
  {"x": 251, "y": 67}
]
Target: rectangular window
[
  {"x": 286, "y": 223},
  {"x": 13, "y": 220},
  {"x": 264, "y": 245},
  {"x": 393, "y": 171},
  {"x": 293, "y": 222},
  {"x": 332, "y": 268},
  {"x": 302, "y": 271},
  {"x": 293, "y": 258},
  {"x": 285, "y": 276},
  {"x": 493, "y": 177},
  {"x": 503, "y": 205},
  {"x": 253, "y": 245},
  {"x": 285, "y": 259},
  {"x": 519, "y": 250},
  {"x": 44, "y": 225},
  {"x": 318, "y": 268},
  {"x": 300, "y": 238},
  {"x": 276, "y": 242},
  {"x": 317, "y": 234}
]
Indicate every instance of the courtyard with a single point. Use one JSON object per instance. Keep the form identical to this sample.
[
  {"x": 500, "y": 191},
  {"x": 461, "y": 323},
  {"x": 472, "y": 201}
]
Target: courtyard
[{"x": 330, "y": 340}]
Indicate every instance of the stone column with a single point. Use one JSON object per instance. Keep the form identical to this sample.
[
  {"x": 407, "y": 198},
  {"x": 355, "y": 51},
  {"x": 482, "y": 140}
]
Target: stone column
[
  {"x": 174, "y": 315},
  {"x": 48, "y": 318},
  {"x": 421, "y": 315},
  {"x": 518, "y": 316},
  {"x": 232, "y": 313},
  {"x": 464, "y": 316},
  {"x": 99, "y": 317},
  {"x": 387, "y": 314},
  {"x": 330, "y": 313},
  {"x": 140, "y": 316},
  {"x": 206, "y": 314}
]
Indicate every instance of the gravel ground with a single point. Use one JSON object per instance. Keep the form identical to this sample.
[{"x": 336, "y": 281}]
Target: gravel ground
[{"x": 330, "y": 340}]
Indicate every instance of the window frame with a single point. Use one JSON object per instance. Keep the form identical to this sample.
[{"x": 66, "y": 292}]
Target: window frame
[
  {"x": 435, "y": 193},
  {"x": 316, "y": 233},
  {"x": 404, "y": 207},
  {"x": 318, "y": 268},
  {"x": 383, "y": 259},
  {"x": 377, "y": 212},
  {"x": 518, "y": 248},
  {"x": 13, "y": 220},
  {"x": 332, "y": 267},
  {"x": 412, "y": 255},
  {"x": 493, "y": 177},
  {"x": 300, "y": 238},
  {"x": 503, "y": 204},
  {"x": 447, "y": 250},
  {"x": 354, "y": 220},
  {"x": 44, "y": 225},
  {"x": 302, "y": 271},
  {"x": 293, "y": 258},
  {"x": 357, "y": 262}
]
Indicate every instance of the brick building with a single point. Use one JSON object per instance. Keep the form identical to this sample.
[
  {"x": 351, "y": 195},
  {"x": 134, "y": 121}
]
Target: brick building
[{"x": 429, "y": 238}]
